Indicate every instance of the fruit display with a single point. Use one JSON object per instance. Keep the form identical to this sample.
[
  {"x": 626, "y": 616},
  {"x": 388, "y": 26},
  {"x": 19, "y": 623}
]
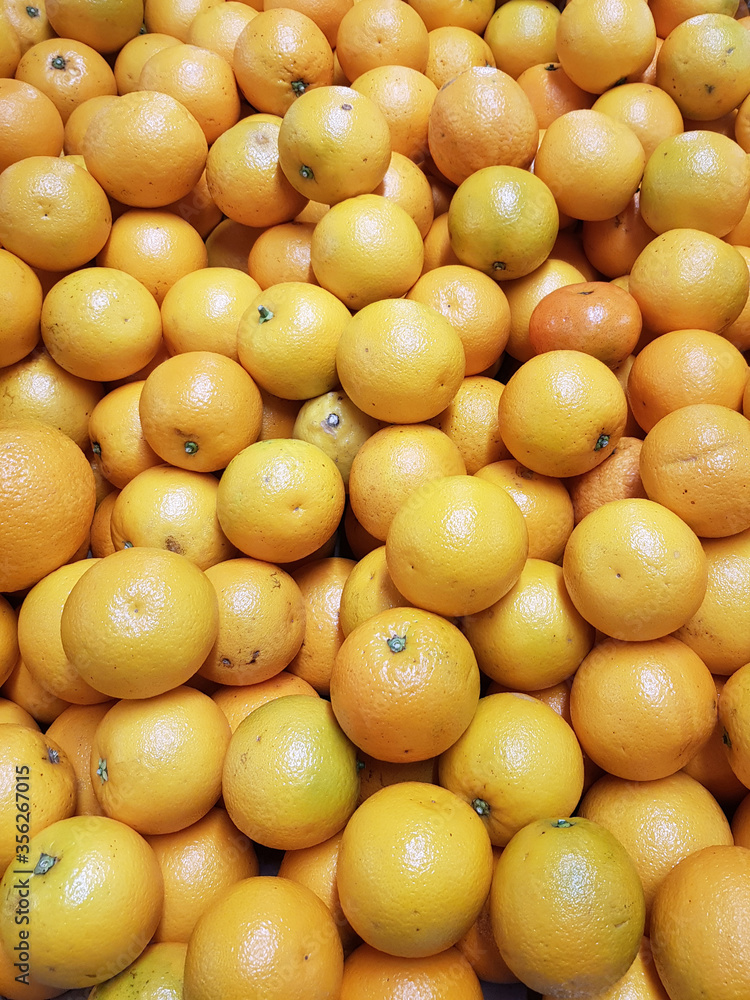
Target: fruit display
[{"x": 375, "y": 500}]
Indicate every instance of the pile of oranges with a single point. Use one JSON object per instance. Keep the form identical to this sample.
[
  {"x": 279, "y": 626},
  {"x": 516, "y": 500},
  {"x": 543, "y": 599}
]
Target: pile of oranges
[{"x": 374, "y": 499}]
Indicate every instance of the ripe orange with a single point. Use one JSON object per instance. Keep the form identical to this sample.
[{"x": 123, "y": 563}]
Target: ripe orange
[
  {"x": 174, "y": 17},
  {"x": 617, "y": 478},
  {"x": 471, "y": 421},
  {"x": 381, "y": 33},
  {"x": 436, "y": 13},
  {"x": 159, "y": 968},
  {"x": 21, "y": 299},
  {"x": 218, "y": 28},
  {"x": 453, "y": 49},
  {"x": 237, "y": 702},
  {"x": 523, "y": 35},
  {"x": 525, "y": 293},
  {"x": 73, "y": 730},
  {"x": 104, "y": 32},
  {"x": 648, "y": 111},
  {"x": 368, "y": 590},
  {"x": 335, "y": 425},
  {"x": 31, "y": 26},
  {"x": 282, "y": 253},
  {"x": 133, "y": 55},
  {"x": 22, "y": 689},
  {"x": 68, "y": 71},
  {"x": 406, "y": 97},
  {"x": 370, "y": 974},
  {"x": 30, "y": 124},
  {"x": 613, "y": 245},
  {"x": 117, "y": 436},
  {"x": 8, "y": 639}
]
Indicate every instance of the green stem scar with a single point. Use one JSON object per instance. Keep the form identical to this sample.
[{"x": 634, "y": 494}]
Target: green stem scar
[
  {"x": 498, "y": 265},
  {"x": 481, "y": 807},
  {"x": 299, "y": 87},
  {"x": 96, "y": 447},
  {"x": 102, "y": 770},
  {"x": 191, "y": 447},
  {"x": 265, "y": 314},
  {"x": 397, "y": 643},
  {"x": 332, "y": 420},
  {"x": 306, "y": 172},
  {"x": 43, "y": 865},
  {"x": 58, "y": 63},
  {"x": 602, "y": 442},
  {"x": 32, "y": 11},
  {"x": 562, "y": 823},
  {"x": 53, "y": 756}
]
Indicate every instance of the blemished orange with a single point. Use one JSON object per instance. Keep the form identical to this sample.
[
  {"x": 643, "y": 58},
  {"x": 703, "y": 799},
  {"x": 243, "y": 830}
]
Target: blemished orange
[
  {"x": 266, "y": 933},
  {"x": 613, "y": 245},
  {"x": 700, "y": 907},
  {"x": 600, "y": 43},
  {"x": 100, "y": 323},
  {"x": 471, "y": 421},
  {"x": 370, "y": 974},
  {"x": 328, "y": 156},
  {"x": 551, "y": 92},
  {"x": 321, "y": 583},
  {"x": 562, "y": 413},
  {"x": 456, "y": 545},
  {"x": 335, "y": 425},
  {"x": 73, "y": 730},
  {"x": 533, "y": 637},
  {"x": 200, "y": 409},
  {"x": 404, "y": 685},
  {"x": 391, "y": 464},
  {"x": 152, "y": 607},
  {"x": 201, "y": 80},
  {"x": 617, "y": 478},
  {"x": 687, "y": 279},
  {"x": 701, "y": 43},
  {"x": 133, "y": 55},
  {"x": 600, "y": 936},
  {"x": 245, "y": 178},
  {"x": 145, "y": 149},
  {"x": 522, "y": 34},
  {"x": 698, "y": 180},
  {"x": 452, "y": 49},
  {"x": 653, "y": 551},
  {"x": 525, "y": 293},
  {"x": 21, "y": 298},
  {"x": 381, "y": 33},
  {"x": 481, "y": 118},
  {"x": 503, "y": 221},
  {"x": 30, "y": 124},
  {"x": 287, "y": 339},
  {"x": 261, "y": 622},
  {"x": 280, "y": 499},
  {"x": 517, "y": 762},
  {"x": 53, "y": 214},
  {"x": 648, "y": 111},
  {"x": 279, "y": 798},
  {"x": 474, "y": 305},
  {"x": 47, "y": 498},
  {"x": 117, "y": 436},
  {"x": 710, "y": 495},
  {"x": 658, "y": 822},
  {"x": 31, "y": 760},
  {"x": 544, "y": 502},
  {"x": 218, "y": 28},
  {"x": 366, "y": 249},
  {"x": 282, "y": 253},
  {"x": 592, "y": 164},
  {"x": 155, "y": 246},
  {"x": 406, "y": 98},
  {"x": 158, "y": 969},
  {"x": 69, "y": 72},
  {"x": 368, "y": 590},
  {"x": 406, "y": 904},
  {"x": 237, "y": 702},
  {"x": 436, "y": 13}
]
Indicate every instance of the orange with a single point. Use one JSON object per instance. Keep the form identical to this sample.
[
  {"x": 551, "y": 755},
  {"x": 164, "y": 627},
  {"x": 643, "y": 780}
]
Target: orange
[
  {"x": 73, "y": 730},
  {"x": 739, "y": 822},
  {"x": 29, "y": 22},
  {"x": 101, "y": 543},
  {"x": 601, "y": 43},
  {"x": 23, "y": 690},
  {"x": 237, "y": 702},
  {"x": 471, "y": 421},
  {"x": 738, "y": 333},
  {"x": 201, "y": 80},
  {"x": 145, "y": 149},
  {"x": 479, "y": 947},
  {"x": 8, "y": 639},
  {"x": 641, "y": 710},
  {"x": 562, "y": 413},
  {"x": 733, "y": 712},
  {"x": 391, "y": 464},
  {"x": 335, "y": 425},
  {"x": 695, "y": 462},
  {"x": 47, "y": 499},
  {"x": 39, "y": 635},
  {"x": 481, "y": 118},
  {"x": 78, "y": 122},
  {"x": 280, "y": 499},
  {"x": 198, "y": 208},
  {"x": 154, "y": 246},
  {"x": 406, "y": 98},
  {"x": 158, "y": 969},
  {"x": 502, "y": 220},
  {"x": 376, "y": 774},
  {"x": 368, "y": 589},
  {"x": 106, "y": 32},
  {"x": 525, "y": 293},
  {"x": 698, "y": 180},
  {"x": 635, "y": 540},
  {"x": 592, "y": 163},
  {"x": 282, "y": 253},
  {"x": 321, "y": 583},
  {"x": 167, "y": 749},
  {"x": 517, "y": 762},
  {"x": 327, "y": 14},
  {"x": 551, "y": 92},
  {"x": 595, "y": 317},
  {"x": 97, "y": 895},
  {"x": 68, "y": 71},
  {"x": 245, "y": 179},
  {"x": 613, "y": 245},
  {"x": 200, "y": 312},
  {"x": 699, "y": 909},
  {"x": 617, "y": 478},
  {"x": 133, "y": 55},
  {"x": 408, "y": 902},
  {"x": 669, "y": 13},
  {"x": 452, "y": 49},
  {"x": 117, "y": 436},
  {"x": 287, "y": 339},
  {"x": 404, "y": 685},
  {"x": 711, "y": 767},
  {"x": 365, "y": 249},
  {"x": 269, "y": 935},
  {"x": 521, "y": 34},
  {"x": 446, "y": 13},
  {"x": 437, "y": 246},
  {"x": 218, "y": 28},
  {"x": 174, "y": 18},
  {"x": 29, "y": 988},
  {"x": 149, "y": 607},
  {"x": 693, "y": 68},
  {"x": 372, "y": 975},
  {"x": 30, "y": 124},
  {"x": 596, "y": 943},
  {"x": 100, "y": 323},
  {"x": 261, "y": 622},
  {"x": 53, "y": 214},
  {"x": 38, "y": 788},
  {"x": 21, "y": 302},
  {"x": 328, "y": 156},
  {"x": 648, "y": 111},
  {"x": 290, "y": 774},
  {"x": 533, "y": 637},
  {"x": 381, "y": 33},
  {"x": 658, "y": 822},
  {"x": 688, "y": 279},
  {"x": 280, "y": 55}
]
